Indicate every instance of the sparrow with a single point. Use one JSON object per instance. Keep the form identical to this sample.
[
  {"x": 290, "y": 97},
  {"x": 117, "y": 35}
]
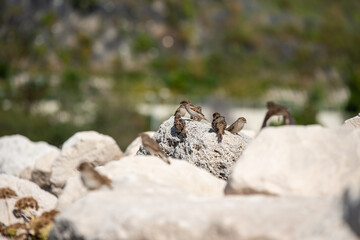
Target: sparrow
[
  {"x": 180, "y": 111},
  {"x": 199, "y": 109},
  {"x": 237, "y": 126},
  {"x": 219, "y": 125},
  {"x": 152, "y": 147},
  {"x": 91, "y": 178},
  {"x": 194, "y": 111},
  {"x": 278, "y": 110},
  {"x": 179, "y": 125}
]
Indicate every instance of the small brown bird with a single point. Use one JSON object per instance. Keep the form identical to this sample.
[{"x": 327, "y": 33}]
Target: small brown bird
[
  {"x": 180, "y": 111},
  {"x": 237, "y": 126},
  {"x": 152, "y": 147},
  {"x": 194, "y": 111},
  {"x": 180, "y": 125},
  {"x": 91, "y": 179},
  {"x": 199, "y": 109},
  {"x": 219, "y": 125},
  {"x": 278, "y": 110}
]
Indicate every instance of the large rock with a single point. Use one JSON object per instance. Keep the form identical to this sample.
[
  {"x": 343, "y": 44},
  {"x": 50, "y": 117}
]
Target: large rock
[
  {"x": 140, "y": 209},
  {"x": 82, "y": 147},
  {"x": 352, "y": 122},
  {"x": 134, "y": 146},
  {"x": 201, "y": 147},
  {"x": 19, "y": 155},
  {"x": 298, "y": 160},
  {"x": 180, "y": 175},
  {"x": 24, "y": 188}
]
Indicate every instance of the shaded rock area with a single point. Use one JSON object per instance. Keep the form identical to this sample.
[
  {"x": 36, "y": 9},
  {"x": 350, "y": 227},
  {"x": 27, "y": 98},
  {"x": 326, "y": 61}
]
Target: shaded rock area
[
  {"x": 138, "y": 208},
  {"x": 298, "y": 160},
  {"x": 24, "y": 188},
  {"x": 82, "y": 147},
  {"x": 201, "y": 147}
]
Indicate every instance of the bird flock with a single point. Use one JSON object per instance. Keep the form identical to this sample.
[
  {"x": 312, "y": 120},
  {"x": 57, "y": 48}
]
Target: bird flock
[{"x": 93, "y": 180}]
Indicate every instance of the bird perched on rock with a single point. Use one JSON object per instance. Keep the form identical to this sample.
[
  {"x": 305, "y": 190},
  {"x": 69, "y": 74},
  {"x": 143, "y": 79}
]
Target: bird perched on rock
[
  {"x": 199, "y": 109},
  {"x": 278, "y": 110},
  {"x": 219, "y": 125},
  {"x": 152, "y": 147},
  {"x": 180, "y": 125},
  {"x": 194, "y": 111},
  {"x": 237, "y": 126},
  {"x": 180, "y": 111},
  {"x": 91, "y": 179}
]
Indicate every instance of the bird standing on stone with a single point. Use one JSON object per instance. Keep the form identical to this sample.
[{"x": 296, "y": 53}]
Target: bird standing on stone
[
  {"x": 278, "y": 110},
  {"x": 91, "y": 179},
  {"x": 219, "y": 125},
  {"x": 180, "y": 125},
  {"x": 152, "y": 147},
  {"x": 194, "y": 111},
  {"x": 180, "y": 111},
  {"x": 237, "y": 126}
]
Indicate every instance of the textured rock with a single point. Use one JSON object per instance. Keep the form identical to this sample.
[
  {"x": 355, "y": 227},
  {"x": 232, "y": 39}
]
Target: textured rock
[
  {"x": 352, "y": 122},
  {"x": 133, "y": 147},
  {"x": 82, "y": 147},
  {"x": 201, "y": 147},
  {"x": 138, "y": 209},
  {"x": 298, "y": 160},
  {"x": 24, "y": 188},
  {"x": 18, "y": 154},
  {"x": 180, "y": 175}
]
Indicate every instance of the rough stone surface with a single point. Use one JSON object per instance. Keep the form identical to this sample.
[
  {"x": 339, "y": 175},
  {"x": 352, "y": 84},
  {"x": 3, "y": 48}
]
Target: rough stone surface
[
  {"x": 24, "y": 188},
  {"x": 133, "y": 147},
  {"x": 298, "y": 160},
  {"x": 82, "y": 147},
  {"x": 18, "y": 154},
  {"x": 201, "y": 147},
  {"x": 352, "y": 122},
  {"x": 180, "y": 175},
  {"x": 140, "y": 209}
]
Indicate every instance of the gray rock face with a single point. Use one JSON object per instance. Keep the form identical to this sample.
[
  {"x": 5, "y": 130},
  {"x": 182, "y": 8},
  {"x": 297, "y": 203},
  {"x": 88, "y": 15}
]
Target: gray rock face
[
  {"x": 18, "y": 154},
  {"x": 138, "y": 208},
  {"x": 201, "y": 147},
  {"x": 24, "y": 188},
  {"x": 298, "y": 160},
  {"x": 82, "y": 147}
]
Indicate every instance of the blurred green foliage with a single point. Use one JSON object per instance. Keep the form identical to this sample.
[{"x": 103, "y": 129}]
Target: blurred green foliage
[{"x": 237, "y": 48}]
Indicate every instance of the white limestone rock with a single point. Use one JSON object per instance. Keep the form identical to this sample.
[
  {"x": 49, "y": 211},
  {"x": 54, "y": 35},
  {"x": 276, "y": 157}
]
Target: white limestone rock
[
  {"x": 352, "y": 122},
  {"x": 24, "y": 188},
  {"x": 87, "y": 146},
  {"x": 179, "y": 175},
  {"x": 201, "y": 147},
  {"x": 138, "y": 208},
  {"x": 18, "y": 154},
  {"x": 298, "y": 160}
]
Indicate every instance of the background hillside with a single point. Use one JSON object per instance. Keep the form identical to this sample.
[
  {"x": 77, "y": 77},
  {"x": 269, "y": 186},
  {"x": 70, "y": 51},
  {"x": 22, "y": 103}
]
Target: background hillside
[{"x": 67, "y": 66}]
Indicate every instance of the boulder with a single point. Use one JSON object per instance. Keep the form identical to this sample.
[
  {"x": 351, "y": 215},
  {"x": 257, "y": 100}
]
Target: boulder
[
  {"x": 179, "y": 175},
  {"x": 352, "y": 122},
  {"x": 87, "y": 146},
  {"x": 24, "y": 188},
  {"x": 298, "y": 160},
  {"x": 201, "y": 147},
  {"x": 18, "y": 155},
  {"x": 134, "y": 146},
  {"x": 138, "y": 208}
]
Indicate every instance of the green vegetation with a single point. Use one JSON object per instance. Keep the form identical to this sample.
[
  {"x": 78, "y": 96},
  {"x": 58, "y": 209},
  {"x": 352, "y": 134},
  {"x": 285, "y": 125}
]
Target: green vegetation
[{"x": 101, "y": 58}]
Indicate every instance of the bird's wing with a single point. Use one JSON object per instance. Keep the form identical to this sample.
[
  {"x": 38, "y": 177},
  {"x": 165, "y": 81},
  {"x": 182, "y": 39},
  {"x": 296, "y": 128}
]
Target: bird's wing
[
  {"x": 152, "y": 143},
  {"x": 231, "y": 127}
]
